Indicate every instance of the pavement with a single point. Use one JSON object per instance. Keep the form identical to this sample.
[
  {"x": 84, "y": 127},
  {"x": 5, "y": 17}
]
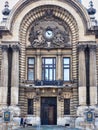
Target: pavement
[{"x": 46, "y": 128}]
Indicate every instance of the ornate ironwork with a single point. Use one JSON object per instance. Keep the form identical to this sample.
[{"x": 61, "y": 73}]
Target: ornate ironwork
[{"x": 44, "y": 82}]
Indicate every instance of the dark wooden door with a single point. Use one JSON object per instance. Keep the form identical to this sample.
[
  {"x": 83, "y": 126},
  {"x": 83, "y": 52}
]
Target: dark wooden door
[{"x": 48, "y": 111}]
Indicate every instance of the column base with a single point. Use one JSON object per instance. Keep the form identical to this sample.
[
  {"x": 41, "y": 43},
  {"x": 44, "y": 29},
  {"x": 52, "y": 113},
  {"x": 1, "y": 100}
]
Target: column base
[
  {"x": 14, "y": 117},
  {"x": 15, "y": 110},
  {"x": 81, "y": 121}
]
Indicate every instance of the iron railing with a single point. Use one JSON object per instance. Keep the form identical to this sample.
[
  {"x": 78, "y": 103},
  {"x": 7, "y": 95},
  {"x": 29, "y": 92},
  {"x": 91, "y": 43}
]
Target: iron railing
[{"x": 45, "y": 82}]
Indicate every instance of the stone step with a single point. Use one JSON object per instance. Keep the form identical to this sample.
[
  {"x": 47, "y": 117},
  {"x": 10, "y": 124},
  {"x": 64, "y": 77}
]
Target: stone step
[{"x": 48, "y": 127}]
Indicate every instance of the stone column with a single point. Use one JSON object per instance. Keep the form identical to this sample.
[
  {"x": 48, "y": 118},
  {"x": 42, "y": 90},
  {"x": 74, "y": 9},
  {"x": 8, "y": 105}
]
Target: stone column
[
  {"x": 38, "y": 66},
  {"x": 93, "y": 75},
  {"x": 4, "y": 76},
  {"x": 15, "y": 75},
  {"x": 82, "y": 76},
  {"x": 59, "y": 64}
]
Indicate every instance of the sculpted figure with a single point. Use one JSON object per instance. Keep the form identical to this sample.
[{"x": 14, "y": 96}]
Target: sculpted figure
[{"x": 39, "y": 40}]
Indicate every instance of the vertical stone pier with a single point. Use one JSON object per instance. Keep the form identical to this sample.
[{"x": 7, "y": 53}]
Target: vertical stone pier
[
  {"x": 83, "y": 106},
  {"x": 82, "y": 75},
  {"x": 15, "y": 75},
  {"x": 4, "y": 76},
  {"x": 59, "y": 71},
  {"x": 38, "y": 64},
  {"x": 93, "y": 75}
]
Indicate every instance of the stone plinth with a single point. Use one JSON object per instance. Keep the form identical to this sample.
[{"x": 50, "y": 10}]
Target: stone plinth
[{"x": 81, "y": 118}]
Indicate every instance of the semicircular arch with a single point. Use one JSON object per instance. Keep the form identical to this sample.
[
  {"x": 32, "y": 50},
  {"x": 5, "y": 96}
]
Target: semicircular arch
[{"x": 38, "y": 13}]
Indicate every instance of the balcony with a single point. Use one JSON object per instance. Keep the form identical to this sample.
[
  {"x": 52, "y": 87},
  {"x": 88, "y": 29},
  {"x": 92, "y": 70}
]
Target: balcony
[{"x": 45, "y": 82}]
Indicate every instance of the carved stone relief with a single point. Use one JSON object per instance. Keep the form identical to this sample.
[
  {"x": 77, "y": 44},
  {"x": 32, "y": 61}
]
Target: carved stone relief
[{"x": 49, "y": 33}]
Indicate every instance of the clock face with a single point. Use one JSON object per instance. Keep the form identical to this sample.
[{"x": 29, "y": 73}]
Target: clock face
[{"x": 49, "y": 34}]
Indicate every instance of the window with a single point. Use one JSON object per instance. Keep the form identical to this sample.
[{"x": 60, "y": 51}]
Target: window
[
  {"x": 31, "y": 68},
  {"x": 48, "y": 69},
  {"x": 30, "y": 106},
  {"x": 66, "y": 69},
  {"x": 66, "y": 106}
]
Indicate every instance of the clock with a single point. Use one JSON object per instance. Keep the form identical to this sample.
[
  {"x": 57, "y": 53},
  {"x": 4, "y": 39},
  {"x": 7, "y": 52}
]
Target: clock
[{"x": 49, "y": 34}]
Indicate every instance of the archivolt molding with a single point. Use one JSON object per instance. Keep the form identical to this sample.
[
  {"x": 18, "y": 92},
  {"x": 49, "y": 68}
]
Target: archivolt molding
[
  {"x": 39, "y": 13},
  {"x": 21, "y": 4}
]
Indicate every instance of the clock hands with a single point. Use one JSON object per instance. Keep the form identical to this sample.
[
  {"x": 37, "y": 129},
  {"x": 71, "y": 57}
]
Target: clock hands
[{"x": 49, "y": 33}]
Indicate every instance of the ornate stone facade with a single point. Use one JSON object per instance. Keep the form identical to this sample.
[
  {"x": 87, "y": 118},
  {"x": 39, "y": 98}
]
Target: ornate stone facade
[{"x": 47, "y": 49}]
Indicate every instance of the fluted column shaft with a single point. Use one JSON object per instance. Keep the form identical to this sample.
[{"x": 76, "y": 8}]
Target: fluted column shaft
[
  {"x": 93, "y": 75},
  {"x": 82, "y": 76},
  {"x": 4, "y": 76},
  {"x": 15, "y": 75}
]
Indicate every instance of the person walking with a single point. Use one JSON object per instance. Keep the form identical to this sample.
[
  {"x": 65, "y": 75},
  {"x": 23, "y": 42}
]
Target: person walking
[
  {"x": 21, "y": 121},
  {"x": 24, "y": 122}
]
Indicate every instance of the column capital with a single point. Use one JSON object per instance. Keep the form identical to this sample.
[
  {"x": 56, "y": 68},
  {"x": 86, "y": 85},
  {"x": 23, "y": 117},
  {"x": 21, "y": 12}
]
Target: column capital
[
  {"x": 4, "y": 47},
  {"x": 15, "y": 47},
  {"x": 81, "y": 47},
  {"x": 92, "y": 47},
  {"x": 59, "y": 54}
]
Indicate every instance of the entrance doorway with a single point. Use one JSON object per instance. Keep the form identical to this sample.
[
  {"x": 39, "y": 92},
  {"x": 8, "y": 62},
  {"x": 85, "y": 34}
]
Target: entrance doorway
[{"x": 48, "y": 111}]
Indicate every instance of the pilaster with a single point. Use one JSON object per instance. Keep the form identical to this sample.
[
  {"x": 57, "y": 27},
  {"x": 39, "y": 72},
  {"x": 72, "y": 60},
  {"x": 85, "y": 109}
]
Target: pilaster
[
  {"x": 59, "y": 66},
  {"x": 82, "y": 75},
  {"x": 38, "y": 76},
  {"x": 4, "y": 76},
  {"x": 93, "y": 75},
  {"x": 15, "y": 75}
]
